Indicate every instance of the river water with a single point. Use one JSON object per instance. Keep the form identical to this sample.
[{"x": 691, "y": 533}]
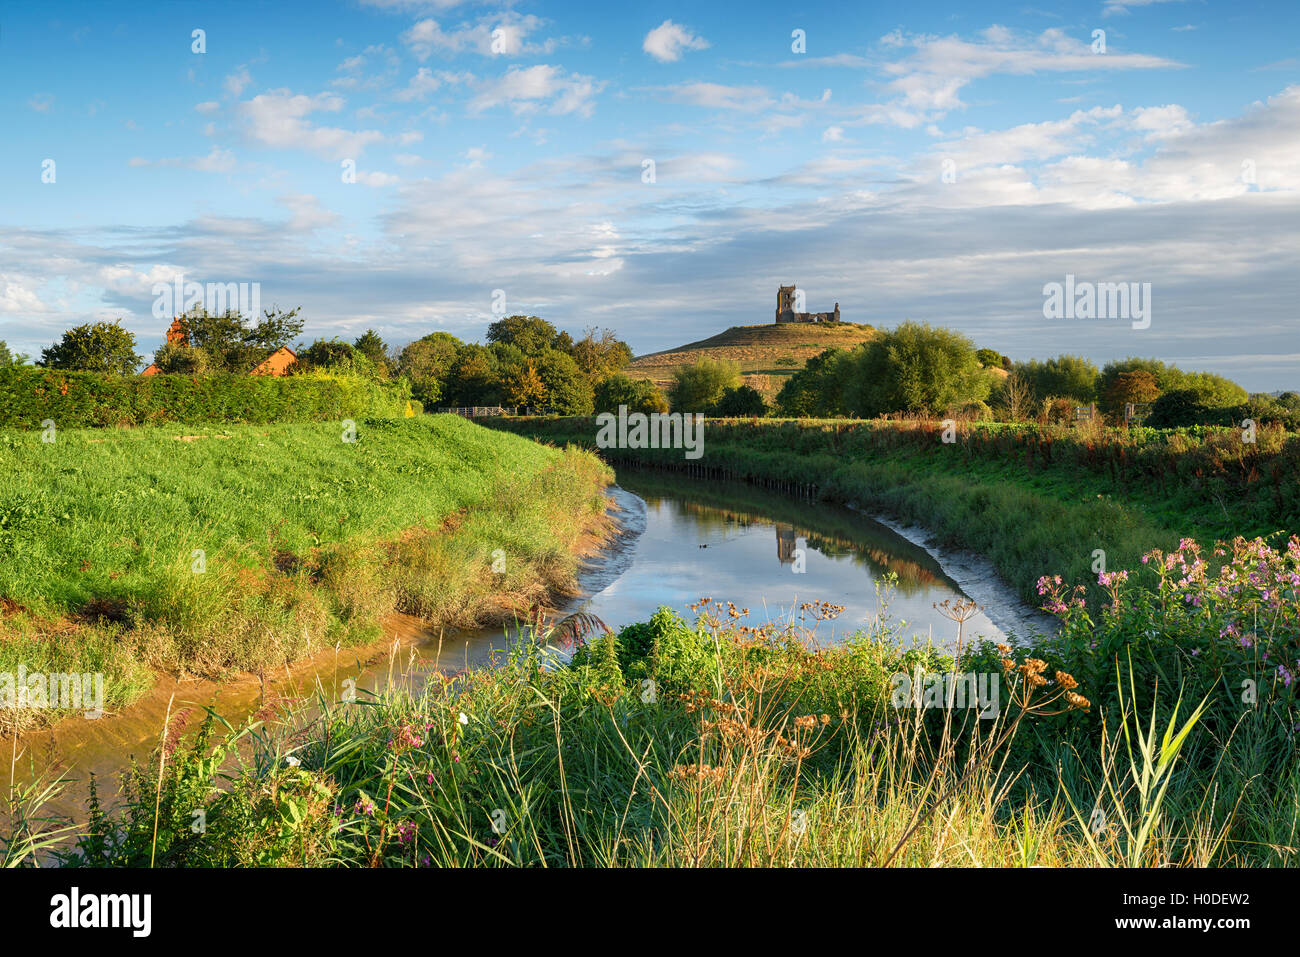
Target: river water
[{"x": 681, "y": 540}]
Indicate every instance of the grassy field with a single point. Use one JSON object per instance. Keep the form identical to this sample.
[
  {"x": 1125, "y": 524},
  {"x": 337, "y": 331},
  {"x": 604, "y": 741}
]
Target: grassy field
[
  {"x": 768, "y": 354},
  {"x": 217, "y": 550}
]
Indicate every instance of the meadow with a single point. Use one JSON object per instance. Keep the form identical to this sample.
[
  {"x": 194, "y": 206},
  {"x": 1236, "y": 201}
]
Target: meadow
[{"x": 213, "y": 550}]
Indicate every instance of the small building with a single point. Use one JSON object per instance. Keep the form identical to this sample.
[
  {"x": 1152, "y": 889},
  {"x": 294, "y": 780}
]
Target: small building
[{"x": 277, "y": 363}]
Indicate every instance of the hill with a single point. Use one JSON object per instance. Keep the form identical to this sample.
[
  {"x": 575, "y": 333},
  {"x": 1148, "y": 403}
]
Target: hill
[{"x": 768, "y": 355}]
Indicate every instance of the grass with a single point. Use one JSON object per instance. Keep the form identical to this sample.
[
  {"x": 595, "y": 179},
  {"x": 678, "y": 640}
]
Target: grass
[
  {"x": 716, "y": 743},
  {"x": 767, "y": 354},
  {"x": 218, "y": 550}
]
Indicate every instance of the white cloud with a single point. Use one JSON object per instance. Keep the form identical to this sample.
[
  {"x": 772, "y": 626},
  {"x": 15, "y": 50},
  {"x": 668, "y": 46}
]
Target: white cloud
[
  {"x": 718, "y": 96},
  {"x": 238, "y": 81},
  {"x": 277, "y": 119},
  {"x": 529, "y": 89},
  {"x": 668, "y": 41},
  {"x": 833, "y": 134}
]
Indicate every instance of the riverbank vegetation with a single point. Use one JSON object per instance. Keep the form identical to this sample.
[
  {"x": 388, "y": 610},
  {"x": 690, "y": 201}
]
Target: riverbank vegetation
[
  {"x": 717, "y": 742},
  {"x": 217, "y": 550}
]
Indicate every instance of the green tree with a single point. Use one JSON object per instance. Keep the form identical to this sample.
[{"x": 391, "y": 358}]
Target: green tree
[
  {"x": 529, "y": 333},
  {"x": 568, "y": 390},
  {"x": 8, "y": 358},
  {"x": 1072, "y": 377},
  {"x": 818, "y": 388},
  {"x": 740, "y": 402},
  {"x": 426, "y": 363},
  {"x": 372, "y": 346},
  {"x": 916, "y": 368},
  {"x": 177, "y": 359},
  {"x": 94, "y": 347},
  {"x": 601, "y": 354},
  {"x": 639, "y": 395},
  {"x": 698, "y": 386}
]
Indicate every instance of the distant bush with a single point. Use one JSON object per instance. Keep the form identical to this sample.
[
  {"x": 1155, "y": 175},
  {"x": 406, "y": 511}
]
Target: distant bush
[
  {"x": 639, "y": 395},
  {"x": 699, "y": 386},
  {"x": 741, "y": 402},
  {"x": 29, "y": 396}
]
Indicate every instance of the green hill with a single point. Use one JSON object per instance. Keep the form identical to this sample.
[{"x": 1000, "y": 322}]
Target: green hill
[{"x": 767, "y": 354}]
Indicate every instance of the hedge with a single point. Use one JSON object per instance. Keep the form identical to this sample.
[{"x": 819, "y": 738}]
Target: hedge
[{"x": 29, "y": 396}]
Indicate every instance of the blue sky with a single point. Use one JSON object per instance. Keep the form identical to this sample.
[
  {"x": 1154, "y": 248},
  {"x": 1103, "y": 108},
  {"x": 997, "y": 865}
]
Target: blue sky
[{"x": 939, "y": 162}]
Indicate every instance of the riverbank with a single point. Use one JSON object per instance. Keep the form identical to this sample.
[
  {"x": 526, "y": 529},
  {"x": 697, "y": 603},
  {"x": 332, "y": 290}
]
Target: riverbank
[
  {"x": 1025, "y": 499},
  {"x": 214, "y": 552}
]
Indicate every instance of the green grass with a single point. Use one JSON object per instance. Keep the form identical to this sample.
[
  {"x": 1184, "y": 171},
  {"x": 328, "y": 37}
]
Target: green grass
[
  {"x": 123, "y": 551},
  {"x": 708, "y": 744}
]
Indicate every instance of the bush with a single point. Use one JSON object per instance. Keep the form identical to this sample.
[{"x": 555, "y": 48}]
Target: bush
[
  {"x": 639, "y": 395},
  {"x": 741, "y": 402},
  {"x": 699, "y": 386},
  {"x": 29, "y": 396}
]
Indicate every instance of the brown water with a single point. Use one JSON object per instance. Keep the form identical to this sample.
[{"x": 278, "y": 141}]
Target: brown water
[{"x": 681, "y": 540}]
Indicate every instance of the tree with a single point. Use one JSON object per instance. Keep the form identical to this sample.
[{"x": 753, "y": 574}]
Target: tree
[
  {"x": 1181, "y": 408},
  {"x": 1070, "y": 377},
  {"x": 568, "y": 391},
  {"x": 818, "y": 388},
  {"x": 522, "y": 387},
  {"x": 1013, "y": 398},
  {"x": 373, "y": 347},
  {"x": 639, "y": 395},
  {"x": 698, "y": 386},
  {"x": 327, "y": 353},
  {"x": 989, "y": 358},
  {"x": 915, "y": 368},
  {"x": 232, "y": 345},
  {"x": 529, "y": 333},
  {"x": 94, "y": 347},
  {"x": 177, "y": 359},
  {"x": 741, "y": 402},
  {"x": 426, "y": 363},
  {"x": 601, "y": 355},
  {"x": 1138, "y": 386},
  {"x": 8, "y": 358},
  {"x": 276, "y": 330}
]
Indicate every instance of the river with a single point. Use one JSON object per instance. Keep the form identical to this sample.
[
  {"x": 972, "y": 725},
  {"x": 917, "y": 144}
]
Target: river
[{"x": 681, "y": 540}]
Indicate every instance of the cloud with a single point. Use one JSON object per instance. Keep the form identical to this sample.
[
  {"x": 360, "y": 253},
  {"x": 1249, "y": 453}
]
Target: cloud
[
  {"x": 833, "y": 134},
  {"x": 41, "y": 102},
  {"x": 718, "y": 96},
  {"x": 932, "y": 78},
  {"x": 505, "y": 34},
  {"x": 238, "y": 81},
  {"x": 534, "y": 88},
  {"x": 277, "y": 119},
  {"x": 420, "y": 86},
  {"x": 217, "y": 161},
  {"x": 668, "y": 41}
]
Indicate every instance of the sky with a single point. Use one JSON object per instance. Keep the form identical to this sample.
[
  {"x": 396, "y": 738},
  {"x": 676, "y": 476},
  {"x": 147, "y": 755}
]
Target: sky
[{"x": 660, "y": 169}]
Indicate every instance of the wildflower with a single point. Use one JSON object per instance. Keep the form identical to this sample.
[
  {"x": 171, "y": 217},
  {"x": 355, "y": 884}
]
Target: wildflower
[
  {"x": 365, "y": 807},
  {"x": 464, "y": 718},
  {"x": 291, "y": 761}
]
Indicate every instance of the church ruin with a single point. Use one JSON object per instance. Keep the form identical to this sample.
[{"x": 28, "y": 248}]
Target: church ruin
[{"x": 787, "y": 299}]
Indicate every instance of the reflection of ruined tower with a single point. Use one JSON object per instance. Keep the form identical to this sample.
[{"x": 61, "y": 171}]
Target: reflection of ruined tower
[{"x": 785, "y": 543}]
